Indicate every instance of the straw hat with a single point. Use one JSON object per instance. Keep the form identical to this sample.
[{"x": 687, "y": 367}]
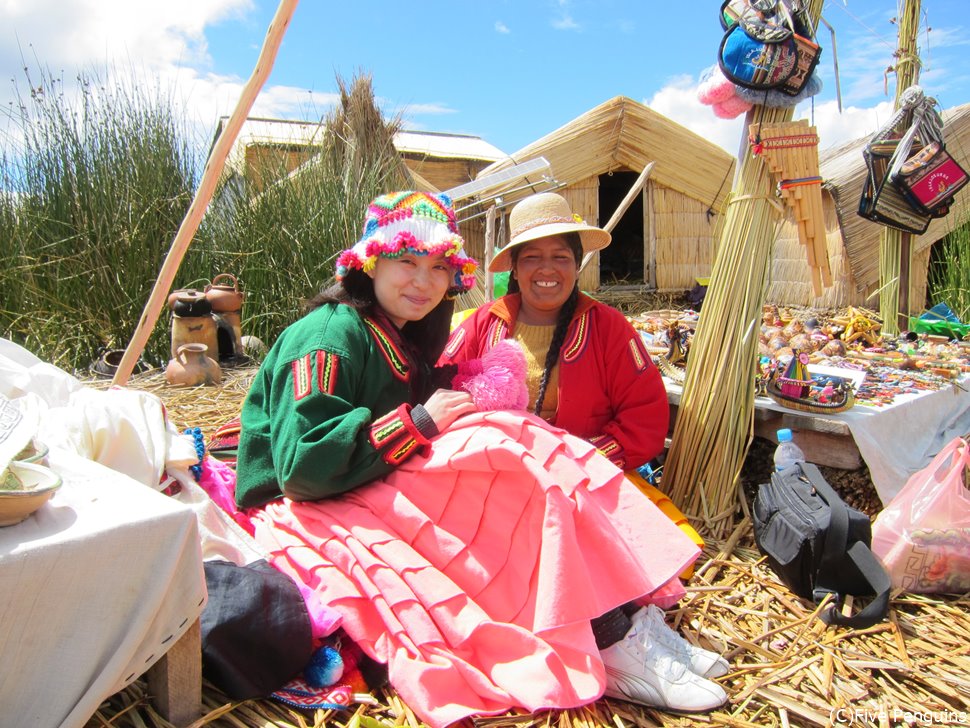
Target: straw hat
[{"x": 540, "y": 216}]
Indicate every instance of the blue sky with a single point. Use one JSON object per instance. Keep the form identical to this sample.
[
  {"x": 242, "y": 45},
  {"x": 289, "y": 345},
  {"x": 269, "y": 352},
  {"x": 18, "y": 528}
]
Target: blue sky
[{"x": 509, "y": 71}]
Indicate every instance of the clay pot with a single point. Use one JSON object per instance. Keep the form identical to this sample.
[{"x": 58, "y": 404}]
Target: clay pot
[
  {"x": 191, "y": 367},
  {"x": 189, "y": 303},
  {"x": 199, "y": 329},
  {"x": 180, "y": 292},
  {"x": 224, "y": 296}
]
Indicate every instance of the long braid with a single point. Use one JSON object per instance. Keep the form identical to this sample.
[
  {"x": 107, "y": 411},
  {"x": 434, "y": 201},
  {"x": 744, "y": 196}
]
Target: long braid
[{"x": 558, "y": 337}]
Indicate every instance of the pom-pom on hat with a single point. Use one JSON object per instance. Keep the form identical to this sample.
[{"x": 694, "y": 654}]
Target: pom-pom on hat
[
  {"x": 419, "y": 223},
  {"x": 540, "y": 216}
]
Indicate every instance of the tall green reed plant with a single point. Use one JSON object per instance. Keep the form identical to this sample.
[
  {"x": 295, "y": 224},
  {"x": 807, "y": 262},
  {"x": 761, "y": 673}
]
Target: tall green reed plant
[
  {"x": 282, "y": 243},
  {"x": 949, "y": 275},
  {"x": 94, "y": 187}
]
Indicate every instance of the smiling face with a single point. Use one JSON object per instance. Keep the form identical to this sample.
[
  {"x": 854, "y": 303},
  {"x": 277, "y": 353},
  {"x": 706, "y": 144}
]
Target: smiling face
[
  {"x": 409, "y": 287},
  {"x": 547, "y": 271}
]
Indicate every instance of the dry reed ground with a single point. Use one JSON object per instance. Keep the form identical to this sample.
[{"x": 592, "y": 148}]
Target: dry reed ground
[{"x": 789, "y": 669}]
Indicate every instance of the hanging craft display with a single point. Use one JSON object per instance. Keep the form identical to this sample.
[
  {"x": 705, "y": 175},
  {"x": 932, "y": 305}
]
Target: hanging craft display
[
  {"x": 767, "y": 44},
  {"x": 911, "y": 178},
  {"x": 930, "y": 178},
  {"x": 790, "y": 151},
  {"x": 767, "y": 57}
]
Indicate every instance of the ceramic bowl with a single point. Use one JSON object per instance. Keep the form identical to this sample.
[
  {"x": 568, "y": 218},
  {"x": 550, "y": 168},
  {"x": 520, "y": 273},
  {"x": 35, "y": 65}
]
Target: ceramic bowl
[
  {"x": 39, "y": 484},
  {"x": 35, "y": 452}
]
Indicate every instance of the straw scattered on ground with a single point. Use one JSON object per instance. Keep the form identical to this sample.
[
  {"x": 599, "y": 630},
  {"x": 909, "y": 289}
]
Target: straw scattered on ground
[{"x": 789, "y": 668}]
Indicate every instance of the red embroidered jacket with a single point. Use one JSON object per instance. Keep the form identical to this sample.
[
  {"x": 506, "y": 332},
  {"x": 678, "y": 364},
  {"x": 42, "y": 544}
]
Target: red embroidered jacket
[{"x": 610, "y": 392}]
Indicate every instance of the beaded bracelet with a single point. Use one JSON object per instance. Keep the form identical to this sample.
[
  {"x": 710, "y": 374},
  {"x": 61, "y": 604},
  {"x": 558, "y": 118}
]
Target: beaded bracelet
[{"x": 196, "y": 433}]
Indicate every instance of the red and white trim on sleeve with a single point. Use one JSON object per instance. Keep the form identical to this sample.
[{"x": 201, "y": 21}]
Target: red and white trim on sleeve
[
  {"x": 612, "y": 449},
  {"x": 455, "y": 343},
  {"x": 302, "y": 377}
]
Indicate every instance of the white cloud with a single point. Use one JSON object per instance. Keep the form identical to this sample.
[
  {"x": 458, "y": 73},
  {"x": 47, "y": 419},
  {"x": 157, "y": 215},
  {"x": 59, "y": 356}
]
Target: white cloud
[
  {"x": 502, "y": 28},
  {"x": 678, "y": 101},
  {"x": 565, "y": 22},
  {"x": 835, "y": 128},
  {"x": 429, "y": 109},
  {"x": 62, "y": 34},
  {"x": 157, "y": 45}
]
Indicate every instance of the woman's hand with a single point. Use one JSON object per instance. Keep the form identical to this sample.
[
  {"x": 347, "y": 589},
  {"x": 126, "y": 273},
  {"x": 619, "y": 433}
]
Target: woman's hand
[{"x": 447, "y": 405}]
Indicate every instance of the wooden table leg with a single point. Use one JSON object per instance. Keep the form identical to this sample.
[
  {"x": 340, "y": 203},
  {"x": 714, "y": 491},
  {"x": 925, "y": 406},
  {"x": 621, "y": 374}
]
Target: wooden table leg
[{"x": 175, "y": 681}]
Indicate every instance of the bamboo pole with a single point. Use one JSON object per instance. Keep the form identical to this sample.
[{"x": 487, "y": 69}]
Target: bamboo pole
[
  {"x": 490, "y": 249},
  {"x": 203, "y": 195},
  {"x": 894, "y": 245},
  {"x": 715, "y": 419}
]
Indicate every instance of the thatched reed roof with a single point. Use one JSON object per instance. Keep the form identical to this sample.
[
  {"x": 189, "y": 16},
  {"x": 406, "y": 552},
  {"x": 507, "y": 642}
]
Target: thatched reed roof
[
  {"x": 622, "y": 134},
  {"x": 844, "y": 170}
]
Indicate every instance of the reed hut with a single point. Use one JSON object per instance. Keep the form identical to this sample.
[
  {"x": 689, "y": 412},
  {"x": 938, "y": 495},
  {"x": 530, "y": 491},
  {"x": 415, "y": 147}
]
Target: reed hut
[
  {"x": 853, "y": 241},
  {"x": 268, "y": 149},
  {"x": 665, "y": 239}
]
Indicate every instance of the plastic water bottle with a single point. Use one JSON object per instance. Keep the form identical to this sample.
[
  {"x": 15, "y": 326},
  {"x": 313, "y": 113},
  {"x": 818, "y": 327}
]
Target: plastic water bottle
[{"x": 787, "y": 453}]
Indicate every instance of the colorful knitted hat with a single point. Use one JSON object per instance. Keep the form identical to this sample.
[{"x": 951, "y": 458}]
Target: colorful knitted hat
[{"x": 418, "y": 223}]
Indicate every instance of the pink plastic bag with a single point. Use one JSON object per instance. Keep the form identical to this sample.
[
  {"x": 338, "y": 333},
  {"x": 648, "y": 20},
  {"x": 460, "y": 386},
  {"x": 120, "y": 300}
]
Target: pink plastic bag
[{"x": 923, "y": 535}]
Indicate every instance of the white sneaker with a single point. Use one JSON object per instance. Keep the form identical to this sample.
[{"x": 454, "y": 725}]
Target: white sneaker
[
  {"x": 645, "y": 671},
  {"x": 700, "y": 661}
]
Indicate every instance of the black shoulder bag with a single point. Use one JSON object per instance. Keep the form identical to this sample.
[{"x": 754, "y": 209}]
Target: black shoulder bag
[{"x": 818, "y": 545}]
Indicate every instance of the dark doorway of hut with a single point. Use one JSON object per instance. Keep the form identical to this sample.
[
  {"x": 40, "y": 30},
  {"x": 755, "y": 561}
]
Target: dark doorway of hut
[{"x": 621, "y": 263}]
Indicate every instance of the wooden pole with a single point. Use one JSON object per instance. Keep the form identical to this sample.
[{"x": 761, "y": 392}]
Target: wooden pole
[
  {"x": 894, "y": 269},
  {"x": 490, "y": 251},
  {"x": 203, "y": 195},
  {"x": 905, "y": 271}
]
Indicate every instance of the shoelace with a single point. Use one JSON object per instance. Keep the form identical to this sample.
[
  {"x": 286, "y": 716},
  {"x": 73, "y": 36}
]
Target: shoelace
[
  {"x": 659, "y": 631},
  {"x": 673, "y": 662}
]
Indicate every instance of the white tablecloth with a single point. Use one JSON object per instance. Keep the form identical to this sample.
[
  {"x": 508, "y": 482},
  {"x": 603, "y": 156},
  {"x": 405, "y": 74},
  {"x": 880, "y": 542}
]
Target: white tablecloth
[
  {"x": 94, "y": 588},
  {"x": 896, "y": 440},
  {"x": 900, "y": 439}
]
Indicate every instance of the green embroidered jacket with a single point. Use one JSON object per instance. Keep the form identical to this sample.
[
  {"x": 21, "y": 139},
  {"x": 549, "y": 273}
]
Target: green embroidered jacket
[{"x": 329, "y": 410}]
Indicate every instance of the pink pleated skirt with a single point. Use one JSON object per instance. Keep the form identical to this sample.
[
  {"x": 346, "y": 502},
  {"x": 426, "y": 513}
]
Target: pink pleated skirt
[{"x": 473, "y": 571}]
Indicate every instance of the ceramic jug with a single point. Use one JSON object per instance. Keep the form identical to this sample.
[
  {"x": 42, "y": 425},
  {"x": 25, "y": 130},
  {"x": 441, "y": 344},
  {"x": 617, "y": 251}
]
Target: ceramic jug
[
  {"x": 224, "y": 296},
  {"x": 192, "y": 323},
  {"x": 191, "y": 367}
]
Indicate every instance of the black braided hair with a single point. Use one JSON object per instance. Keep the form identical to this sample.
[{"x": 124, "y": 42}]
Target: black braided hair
[
  {"x": 555, "y": 346},
  {"x": 575, "y": 242}
]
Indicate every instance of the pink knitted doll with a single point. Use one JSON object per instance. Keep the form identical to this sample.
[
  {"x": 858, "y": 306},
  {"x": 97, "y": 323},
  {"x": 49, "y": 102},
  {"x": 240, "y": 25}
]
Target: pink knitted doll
[
  {"x": 716, "y": 91},
  {"x": 497, "y": 380}
]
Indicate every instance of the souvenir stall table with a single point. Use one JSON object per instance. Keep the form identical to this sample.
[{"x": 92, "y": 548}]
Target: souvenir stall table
[
  {"x": 102, "y": 584},
  {"x": 894, "y": 440}
]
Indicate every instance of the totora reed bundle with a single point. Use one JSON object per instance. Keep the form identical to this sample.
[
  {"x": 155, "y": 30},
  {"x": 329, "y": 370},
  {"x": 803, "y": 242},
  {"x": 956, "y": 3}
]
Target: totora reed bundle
[{"x": 716, "y": 414}]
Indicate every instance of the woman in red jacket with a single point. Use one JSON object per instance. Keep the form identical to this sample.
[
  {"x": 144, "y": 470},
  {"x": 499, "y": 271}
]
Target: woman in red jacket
[{"x": 588, "y": 373}]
